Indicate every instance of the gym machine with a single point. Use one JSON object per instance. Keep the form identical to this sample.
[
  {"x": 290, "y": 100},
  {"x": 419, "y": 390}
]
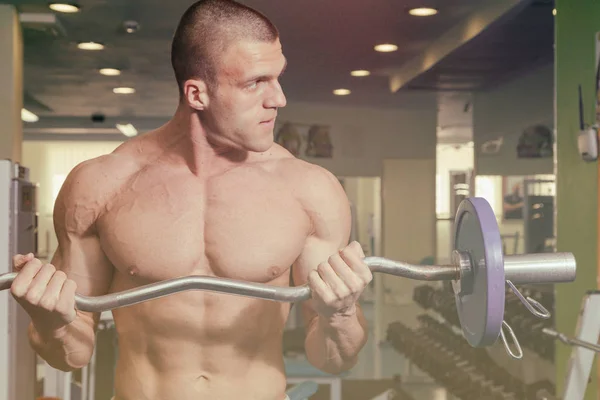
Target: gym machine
[
  {"x": 584, "y": 345},
  {"x": 18, "y": 234}
]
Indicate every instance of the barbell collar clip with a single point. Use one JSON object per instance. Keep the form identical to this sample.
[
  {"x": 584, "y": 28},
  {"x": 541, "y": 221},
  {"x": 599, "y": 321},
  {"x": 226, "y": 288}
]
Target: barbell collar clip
[
  {"x": 519, "y": 354},
  {"x": 532, "y": 305}
]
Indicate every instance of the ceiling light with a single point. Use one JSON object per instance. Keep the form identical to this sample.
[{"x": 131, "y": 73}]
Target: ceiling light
[
  {"x": 127, "y": 129},
  {"x": 422, "y": 11},
  {"x": 64, "y": 7},
  {"x": 131, "y": 26},
  {"x": 123, "y": 90},
  {"x": 554, "y": 11},
  {"x": 341, "y": 92},
  {"x": 386, "y": 47},
  {"x": 360, "y": 72},
  {"x": 28, "y": 116},
  {"x": 90, "y": 46},
  {"x": 110, "y": 71}
]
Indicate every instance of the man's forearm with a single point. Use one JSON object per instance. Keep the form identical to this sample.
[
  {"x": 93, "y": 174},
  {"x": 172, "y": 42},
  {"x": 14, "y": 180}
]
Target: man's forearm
[
  {"x": 67, "y": 349},
  {"x": 333, "y": 344}
]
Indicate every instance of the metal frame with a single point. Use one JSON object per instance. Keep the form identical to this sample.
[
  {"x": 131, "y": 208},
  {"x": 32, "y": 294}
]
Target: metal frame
[
  {"x": 334, "y": 382},
  {"x": 17, "y": 359},
  {"x": 527, "y": 184},
  {"x": 5, "y": 262},
  {"x": 581, "y": 360}
]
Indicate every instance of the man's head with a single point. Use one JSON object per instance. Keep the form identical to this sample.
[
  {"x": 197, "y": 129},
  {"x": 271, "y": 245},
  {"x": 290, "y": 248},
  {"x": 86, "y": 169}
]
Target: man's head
[{"x": 227, "y": 60}]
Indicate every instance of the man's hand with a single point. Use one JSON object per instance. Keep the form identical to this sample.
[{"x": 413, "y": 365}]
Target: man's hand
[
  {"x": 45, "y": 293},
  {"x": 337, "y": 283}
]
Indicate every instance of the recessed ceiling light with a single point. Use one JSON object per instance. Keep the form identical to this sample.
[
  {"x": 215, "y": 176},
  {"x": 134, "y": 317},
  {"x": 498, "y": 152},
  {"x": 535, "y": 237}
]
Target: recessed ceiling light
[
  {"x": 422, "y": 11},
  {"x": 123, "y": 90},
  {"x": 64, "y": 7},
  {"x": 110, "y": 71},
  {"x": 28, "y": 116},
  {"x": 341, "y": 92},
  {"x": 360, "y": 72},
  {"x": 386, "y": 47},
  {"x": 90, "y": 46},
  {"x": 127, "y": 129}
]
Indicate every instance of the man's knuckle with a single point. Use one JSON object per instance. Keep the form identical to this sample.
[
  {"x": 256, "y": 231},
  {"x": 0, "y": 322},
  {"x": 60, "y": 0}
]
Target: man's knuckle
[
  {"x": 18, "y": 290},
  {"x": 32, "y": 297},
  {"x": 46, "y": 303},
  {"x": 61, "y": 275}
]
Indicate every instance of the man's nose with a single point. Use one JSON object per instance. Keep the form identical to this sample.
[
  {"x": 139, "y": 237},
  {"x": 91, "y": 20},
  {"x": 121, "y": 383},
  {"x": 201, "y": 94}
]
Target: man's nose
[{"x": 276, "y": 98}]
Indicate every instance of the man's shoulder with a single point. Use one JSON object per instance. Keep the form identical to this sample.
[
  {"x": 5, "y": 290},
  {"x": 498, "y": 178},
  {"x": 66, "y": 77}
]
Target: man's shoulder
[
  {"x": 306, "y": 174},
  {"x": 98, "y": 176},
  {"x": 314, "y": 185}
]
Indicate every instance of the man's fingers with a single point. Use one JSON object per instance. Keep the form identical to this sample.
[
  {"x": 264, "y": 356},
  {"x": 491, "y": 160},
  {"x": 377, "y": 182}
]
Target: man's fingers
[
  {"x": 21, "y": 283},
  {"x": 19, "y": 260},
  {"x": 51, "y": 294},
  {"x": 39, "y": 284},
  {"x": 332, "y": 279},
  {"x": 357, "y": 248},
  {"x": 347, "y": 275},
  {"x": 66, "y": 300},
  {"x": 319, "y": 287},
  {"x": 357, "y": 264}
]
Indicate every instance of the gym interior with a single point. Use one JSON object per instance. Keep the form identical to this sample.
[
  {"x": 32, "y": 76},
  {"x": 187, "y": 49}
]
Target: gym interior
[{"x": 494, "y": 99}]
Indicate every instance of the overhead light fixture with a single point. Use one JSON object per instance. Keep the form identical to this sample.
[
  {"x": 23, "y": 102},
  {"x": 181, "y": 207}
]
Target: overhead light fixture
[
  {"x": 110, "y": 71},
  {"x": 341, "y": 92},
  {"x": 90, "y": 46},
  {"x": 64, "y": 7},
  {"x": 127, "y": 129},
  {"x": 386, "y": 47},
  {"x": 131, "y": 26},
  {"x": 423, "y": 11},
  {"x": 360, "y": 72},
  {"x": 28, "y": 116},
  {"x": 123, "y": 90}
]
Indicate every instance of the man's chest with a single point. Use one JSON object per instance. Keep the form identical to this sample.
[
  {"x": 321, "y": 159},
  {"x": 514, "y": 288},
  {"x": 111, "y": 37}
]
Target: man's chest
[{"x": 241, "y": 226}]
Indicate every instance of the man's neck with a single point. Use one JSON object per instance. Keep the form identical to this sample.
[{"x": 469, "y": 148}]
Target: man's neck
[{"x": 185, "y": 137}]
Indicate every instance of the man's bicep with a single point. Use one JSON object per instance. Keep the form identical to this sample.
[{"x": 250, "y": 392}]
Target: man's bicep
[
  {"x": 84, "y": 262},
  {"x": 328, "y": 208},
  {"x": 79, "y": 253}
]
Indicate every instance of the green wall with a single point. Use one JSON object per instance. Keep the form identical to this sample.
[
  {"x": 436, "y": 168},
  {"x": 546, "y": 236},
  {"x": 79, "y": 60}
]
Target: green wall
[{"x": 577, "y": 22}]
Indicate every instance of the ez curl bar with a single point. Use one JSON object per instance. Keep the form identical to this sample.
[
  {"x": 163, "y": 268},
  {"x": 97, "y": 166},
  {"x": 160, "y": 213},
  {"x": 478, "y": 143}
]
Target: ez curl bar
[{"x": 478, "y": 272}]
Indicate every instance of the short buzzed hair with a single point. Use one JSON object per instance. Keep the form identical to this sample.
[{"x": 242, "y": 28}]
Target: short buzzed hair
[{"x": 205, "y": 31}]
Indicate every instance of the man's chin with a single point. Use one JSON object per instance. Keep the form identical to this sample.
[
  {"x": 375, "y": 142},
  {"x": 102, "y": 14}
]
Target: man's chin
[{"x": 261, "y": 147}]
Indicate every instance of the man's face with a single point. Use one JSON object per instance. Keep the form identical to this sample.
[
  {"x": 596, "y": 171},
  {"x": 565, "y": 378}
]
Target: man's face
[{"x": 246, "y": 95}]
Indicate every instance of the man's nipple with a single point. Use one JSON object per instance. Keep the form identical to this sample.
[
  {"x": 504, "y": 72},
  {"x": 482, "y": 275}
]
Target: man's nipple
[{"x": 133, "y": 270}]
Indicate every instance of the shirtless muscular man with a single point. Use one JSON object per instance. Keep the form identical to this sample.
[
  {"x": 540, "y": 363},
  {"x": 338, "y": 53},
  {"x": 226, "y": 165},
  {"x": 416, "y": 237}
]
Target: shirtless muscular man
[{"x": 208, "y": 193}]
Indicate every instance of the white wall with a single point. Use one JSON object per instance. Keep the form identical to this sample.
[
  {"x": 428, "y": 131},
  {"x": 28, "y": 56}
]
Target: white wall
[
  {"x": 450, "y": 158},
  {"x": 364, "y": 137},
  {"x": 505, "y": 112},
  {"x": 49, "y": 164}
]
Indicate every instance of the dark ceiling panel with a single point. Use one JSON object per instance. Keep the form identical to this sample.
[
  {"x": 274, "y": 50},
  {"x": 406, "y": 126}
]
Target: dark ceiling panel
[
  {"x": 518, "y": 42},
  {"x": 322, "y": 40}
]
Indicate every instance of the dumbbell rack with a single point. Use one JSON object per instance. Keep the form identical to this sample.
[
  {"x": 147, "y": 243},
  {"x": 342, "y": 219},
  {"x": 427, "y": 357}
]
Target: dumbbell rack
[
  {"x": 526, "y": 327},
  {"x": 466, "y": 372},
  {"x": 438, "y": 348}
]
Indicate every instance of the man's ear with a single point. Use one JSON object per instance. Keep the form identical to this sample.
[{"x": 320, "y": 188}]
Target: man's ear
[{"x": 195, "y": 93}]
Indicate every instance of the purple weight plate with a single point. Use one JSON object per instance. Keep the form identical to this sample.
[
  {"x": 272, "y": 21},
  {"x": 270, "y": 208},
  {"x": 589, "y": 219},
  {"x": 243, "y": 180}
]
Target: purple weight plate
[{"x": 482, "y": 311}]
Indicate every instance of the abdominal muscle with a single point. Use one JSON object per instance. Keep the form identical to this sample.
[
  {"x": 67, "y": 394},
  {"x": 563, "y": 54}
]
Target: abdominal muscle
[{"x": 196, "y": 346}]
